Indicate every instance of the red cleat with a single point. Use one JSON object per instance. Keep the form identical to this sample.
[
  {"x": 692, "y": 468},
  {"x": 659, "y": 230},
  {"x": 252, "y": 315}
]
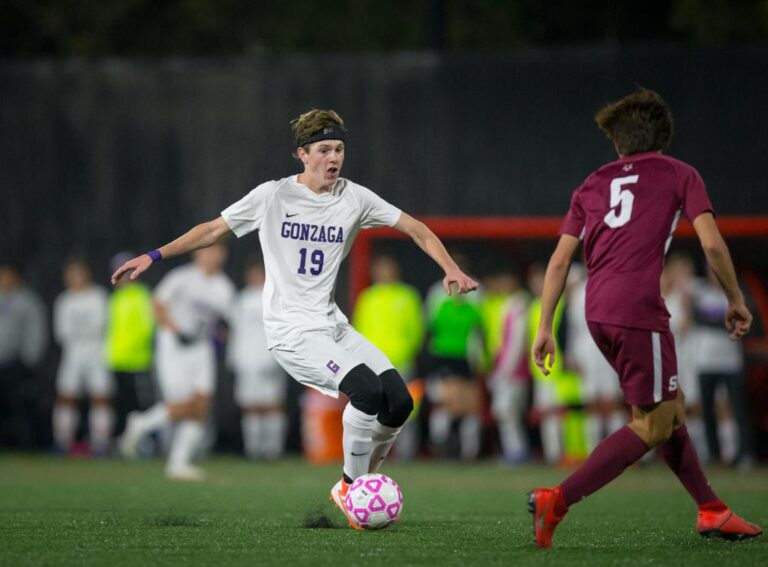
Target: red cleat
[
  {"x": 725, "y": 524},
  {"x": 541, "y": 503}
]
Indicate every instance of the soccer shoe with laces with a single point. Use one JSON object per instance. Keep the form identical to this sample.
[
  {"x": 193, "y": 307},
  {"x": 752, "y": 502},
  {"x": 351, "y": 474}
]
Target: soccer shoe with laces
[
  {"x": 725, "y": 524},
  {"x": 338, "y": 494},
  {"x": 541, "y": 503}
]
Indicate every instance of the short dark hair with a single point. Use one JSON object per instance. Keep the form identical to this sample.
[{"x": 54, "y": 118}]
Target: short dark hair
[{"x": 639, "y": 122}]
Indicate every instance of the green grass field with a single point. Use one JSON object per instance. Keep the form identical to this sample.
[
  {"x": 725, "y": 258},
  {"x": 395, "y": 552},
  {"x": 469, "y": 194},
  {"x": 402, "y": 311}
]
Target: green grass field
[{"x": 55, "y": 512}]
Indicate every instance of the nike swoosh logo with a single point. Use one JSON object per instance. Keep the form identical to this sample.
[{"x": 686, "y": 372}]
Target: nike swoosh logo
[
  {"x": 359, "y": 454},
  {"x": 543, "y": 515},
  {"x": 293, "y": 215}
]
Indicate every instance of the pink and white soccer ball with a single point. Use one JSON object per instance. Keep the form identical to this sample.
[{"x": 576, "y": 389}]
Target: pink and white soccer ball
[{"x": 374, "y": 500}]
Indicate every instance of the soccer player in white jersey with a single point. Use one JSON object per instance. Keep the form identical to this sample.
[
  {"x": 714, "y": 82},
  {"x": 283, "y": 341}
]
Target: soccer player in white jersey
[
  {"x": 259, "y": 381},
  {"x": 601, "y": 392},
  {"x": 307, "y": 224},
  {"x": 79, "y": 325},
  {"x": 188, "y": 302}
]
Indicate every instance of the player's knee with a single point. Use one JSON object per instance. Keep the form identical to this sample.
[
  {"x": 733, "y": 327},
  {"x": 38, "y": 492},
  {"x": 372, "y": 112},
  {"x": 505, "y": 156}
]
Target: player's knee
[
  {"x": 363, "y": 388},
  {"x": 398, "y": 400}
]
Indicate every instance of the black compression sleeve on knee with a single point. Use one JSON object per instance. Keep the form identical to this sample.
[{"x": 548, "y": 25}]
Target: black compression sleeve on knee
[
  {"x": 364, "y": 390},
  {"x": 398, "y": 403}
]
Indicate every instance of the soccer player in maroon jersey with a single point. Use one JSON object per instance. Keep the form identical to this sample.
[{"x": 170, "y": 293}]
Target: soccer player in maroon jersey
[{"x": 625, "y": 214}]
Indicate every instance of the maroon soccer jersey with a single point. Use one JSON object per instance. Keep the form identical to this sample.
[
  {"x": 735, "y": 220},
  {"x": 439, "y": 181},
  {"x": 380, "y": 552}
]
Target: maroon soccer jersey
[{"x": 626, "y": 212}]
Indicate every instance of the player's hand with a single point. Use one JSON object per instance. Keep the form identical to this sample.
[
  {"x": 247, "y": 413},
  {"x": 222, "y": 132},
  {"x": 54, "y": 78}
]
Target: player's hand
[
  {"x": 136, "y": 266},
  {"x": 458, "y": 281},
  {"x": 543, "y": 347},
  {"x": 738, "y": 320}
]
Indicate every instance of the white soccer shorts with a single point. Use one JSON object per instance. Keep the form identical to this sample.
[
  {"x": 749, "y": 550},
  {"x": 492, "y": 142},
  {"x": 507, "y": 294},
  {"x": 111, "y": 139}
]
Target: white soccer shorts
[
  {"x": 84, "y": 370},
  {"x": 261, "y": 386},
  {"x": 184, "y": 370},
  {"x": 320, "y": 359}
]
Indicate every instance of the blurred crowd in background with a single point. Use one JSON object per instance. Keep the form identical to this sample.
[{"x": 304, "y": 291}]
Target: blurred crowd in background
[{"x": 465, "y": 358}]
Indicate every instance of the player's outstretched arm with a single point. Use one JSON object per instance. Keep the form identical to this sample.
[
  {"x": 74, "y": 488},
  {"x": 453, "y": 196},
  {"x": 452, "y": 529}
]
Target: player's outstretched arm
[
  {"x": 738, "y": 319},
  {"x": 554, "y": 283},
  {"x": 201, "y": 236},
  {"x": 427, "y": 241}
]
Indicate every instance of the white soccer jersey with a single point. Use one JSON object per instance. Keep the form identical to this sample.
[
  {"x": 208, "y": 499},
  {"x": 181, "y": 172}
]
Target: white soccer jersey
[
  {"x": 248, "y": 341},
  {"x": 80, "y": 316},
  {"x": 195, "y": 300},
  {"x": 304, "y": 238}
]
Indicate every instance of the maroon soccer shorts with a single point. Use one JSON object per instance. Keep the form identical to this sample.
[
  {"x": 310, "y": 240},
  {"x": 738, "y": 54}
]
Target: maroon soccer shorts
[{"x": 644, "y": 360}]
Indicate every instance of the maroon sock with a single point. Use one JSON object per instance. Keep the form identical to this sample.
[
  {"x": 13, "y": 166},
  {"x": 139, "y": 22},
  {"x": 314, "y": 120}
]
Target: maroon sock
[
  {"x": 609, "y": 459},
  {"x": 680, "y": 456}
]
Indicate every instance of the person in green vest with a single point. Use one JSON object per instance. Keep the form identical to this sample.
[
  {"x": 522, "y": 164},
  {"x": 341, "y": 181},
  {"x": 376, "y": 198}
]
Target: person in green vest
[
  {"x": 557, "y": 397},
  {"x": 130, "y": 329},
  {"x": 389, "y": 314},
  {"x": 454, "y": 352}
]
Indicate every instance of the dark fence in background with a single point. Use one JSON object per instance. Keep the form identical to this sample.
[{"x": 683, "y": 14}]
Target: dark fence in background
[{"x": 102, "y": 155}]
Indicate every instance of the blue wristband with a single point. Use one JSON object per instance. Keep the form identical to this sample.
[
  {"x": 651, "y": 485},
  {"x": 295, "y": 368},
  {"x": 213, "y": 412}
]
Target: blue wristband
[{"x": 155, "y": 255}]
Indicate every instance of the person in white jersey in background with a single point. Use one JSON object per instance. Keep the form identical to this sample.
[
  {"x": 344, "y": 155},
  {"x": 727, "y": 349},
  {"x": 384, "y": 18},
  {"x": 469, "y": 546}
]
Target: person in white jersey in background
[
  {"x": 260, "y": 386},
  {"x": 79, "y": 326},
  {"x": 307, "y": 224},
  {"x": 189, "y": 300},
  {"x": 601, "y": 393}
]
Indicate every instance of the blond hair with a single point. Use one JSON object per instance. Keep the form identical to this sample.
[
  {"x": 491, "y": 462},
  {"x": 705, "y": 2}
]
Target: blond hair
[{"x": 313, "y": 121}]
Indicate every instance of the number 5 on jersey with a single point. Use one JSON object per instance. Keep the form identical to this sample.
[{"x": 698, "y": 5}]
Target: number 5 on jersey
[
  {"x": 317, "y": 258},
  {"x": 623, "y": 199}
]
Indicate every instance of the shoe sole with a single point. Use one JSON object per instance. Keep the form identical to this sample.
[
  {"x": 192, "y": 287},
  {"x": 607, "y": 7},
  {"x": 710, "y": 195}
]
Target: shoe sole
[
  {"x": 711, "y": 534},
  {"x": 352, "y": 524},
  {"x": 532, "y": 510}
]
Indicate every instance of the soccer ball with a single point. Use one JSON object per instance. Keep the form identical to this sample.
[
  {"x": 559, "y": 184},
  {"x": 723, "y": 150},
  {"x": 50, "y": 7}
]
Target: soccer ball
[{"x": 374, "y": 500}]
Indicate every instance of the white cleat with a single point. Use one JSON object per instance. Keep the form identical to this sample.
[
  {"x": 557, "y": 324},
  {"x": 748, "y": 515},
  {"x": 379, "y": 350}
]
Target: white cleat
[
  {"x": 186, "y": 473},
  {"x": 129, "y": 442},
  {"x": 338, "y": 495}
]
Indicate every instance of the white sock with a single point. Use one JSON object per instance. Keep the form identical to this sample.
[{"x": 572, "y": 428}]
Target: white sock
[
  {"x": 153, "y": 418},
  {"x": 407, "y": 442},
  {"x": 65, "y": 421},
  {"x": 251, "y": 425},
  {"x": 469, "y": 437},
  {"x": 273, "y": 435},
  {"x": 513, "y": 441},
  {"x": 357, "y": 441},
  {"x": 383, "y": 439},
  {"x": 729, "y": 439},
  {"x": 186, "y": 439},
  {"x": 550, "y": 438},
  {"x": 100, "y": 421},
  {"x": 439, "y": 426}
]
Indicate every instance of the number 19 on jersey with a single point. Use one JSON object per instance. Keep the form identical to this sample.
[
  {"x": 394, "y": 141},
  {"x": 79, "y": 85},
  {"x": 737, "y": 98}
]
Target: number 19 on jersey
[{"x": 316, "y": 258}]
